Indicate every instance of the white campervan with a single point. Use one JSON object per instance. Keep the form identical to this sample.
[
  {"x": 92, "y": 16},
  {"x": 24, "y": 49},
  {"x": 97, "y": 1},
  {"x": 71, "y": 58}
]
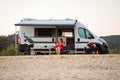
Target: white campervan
[{"x": 41, "y": 35}]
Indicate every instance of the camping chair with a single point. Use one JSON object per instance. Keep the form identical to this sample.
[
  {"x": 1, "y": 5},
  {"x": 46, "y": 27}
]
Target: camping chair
[{"x": 64, "y": 50}]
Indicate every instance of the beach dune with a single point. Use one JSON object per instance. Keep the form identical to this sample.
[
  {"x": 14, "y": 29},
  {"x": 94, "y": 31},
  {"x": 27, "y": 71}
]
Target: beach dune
[{"x": 60, "y": 67}]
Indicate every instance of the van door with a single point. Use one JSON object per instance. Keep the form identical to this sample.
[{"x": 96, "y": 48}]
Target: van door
[{"x": 84, "y": 37}]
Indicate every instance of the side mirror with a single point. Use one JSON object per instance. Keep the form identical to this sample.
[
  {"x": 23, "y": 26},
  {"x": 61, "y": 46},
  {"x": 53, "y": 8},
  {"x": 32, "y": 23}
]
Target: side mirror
[{"x": 90, "y": 36}]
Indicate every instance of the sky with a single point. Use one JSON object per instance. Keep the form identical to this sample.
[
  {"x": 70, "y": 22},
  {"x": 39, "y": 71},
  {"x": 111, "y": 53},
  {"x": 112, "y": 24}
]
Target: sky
[{"x": 102, "y": 17}]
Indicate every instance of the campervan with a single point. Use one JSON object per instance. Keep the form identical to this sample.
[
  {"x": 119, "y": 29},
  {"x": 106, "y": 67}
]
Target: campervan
[{"x": 40, "y": 36}]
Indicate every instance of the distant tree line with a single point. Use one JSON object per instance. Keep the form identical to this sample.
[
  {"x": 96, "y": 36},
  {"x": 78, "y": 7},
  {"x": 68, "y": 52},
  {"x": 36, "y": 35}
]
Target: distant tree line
[
  {"x": 6, "y": 41},
  {"x": 7, "y": 45},
  {"x": 113, "y": 41}
]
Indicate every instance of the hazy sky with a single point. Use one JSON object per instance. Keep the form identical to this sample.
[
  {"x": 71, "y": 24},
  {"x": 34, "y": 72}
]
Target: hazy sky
[{"x": 102, "y": 17}]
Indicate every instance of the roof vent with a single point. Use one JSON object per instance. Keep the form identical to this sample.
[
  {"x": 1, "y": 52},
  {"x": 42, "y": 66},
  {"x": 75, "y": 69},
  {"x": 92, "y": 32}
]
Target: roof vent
[
  {"x": 51, "y": 19},
  {"x": 29, "y": 19},
  {"x": 68, "y": 19}
]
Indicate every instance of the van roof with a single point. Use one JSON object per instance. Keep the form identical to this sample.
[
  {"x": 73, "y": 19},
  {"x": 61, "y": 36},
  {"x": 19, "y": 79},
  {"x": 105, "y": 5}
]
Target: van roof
[{"x": 35, "y": 22}]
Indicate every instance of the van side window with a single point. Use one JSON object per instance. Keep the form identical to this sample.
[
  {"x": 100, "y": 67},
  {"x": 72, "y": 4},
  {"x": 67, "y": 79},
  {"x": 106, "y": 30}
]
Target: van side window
[
  {"x": 44, "y": 32},
  {"x": 83, "y": 33}
]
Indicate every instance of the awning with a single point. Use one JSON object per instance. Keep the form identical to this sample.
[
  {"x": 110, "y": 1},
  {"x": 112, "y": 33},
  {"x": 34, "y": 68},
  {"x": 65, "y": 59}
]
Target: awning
[{"x": 34, "y": 22}]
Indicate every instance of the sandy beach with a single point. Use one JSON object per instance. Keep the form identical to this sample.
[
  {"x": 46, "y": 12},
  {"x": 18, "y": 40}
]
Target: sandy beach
[{"x": 60, "y": 67}]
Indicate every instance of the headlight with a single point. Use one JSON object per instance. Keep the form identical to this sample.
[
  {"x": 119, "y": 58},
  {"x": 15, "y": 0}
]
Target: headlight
[{"x": 103, "y": 41}]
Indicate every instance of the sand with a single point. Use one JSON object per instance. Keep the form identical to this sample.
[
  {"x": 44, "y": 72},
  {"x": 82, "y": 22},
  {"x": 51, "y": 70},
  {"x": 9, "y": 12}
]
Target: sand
[{"x": 60, "y": 67}]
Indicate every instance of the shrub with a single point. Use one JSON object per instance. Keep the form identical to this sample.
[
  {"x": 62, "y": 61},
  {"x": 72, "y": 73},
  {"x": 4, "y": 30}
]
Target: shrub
[
  {"x": 115, "y": 51},
  {"x": 9, "y": 51}
]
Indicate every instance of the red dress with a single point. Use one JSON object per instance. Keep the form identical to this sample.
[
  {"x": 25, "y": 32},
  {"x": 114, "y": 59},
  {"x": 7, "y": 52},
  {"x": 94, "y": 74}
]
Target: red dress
[{"x": 60, "y": 45}]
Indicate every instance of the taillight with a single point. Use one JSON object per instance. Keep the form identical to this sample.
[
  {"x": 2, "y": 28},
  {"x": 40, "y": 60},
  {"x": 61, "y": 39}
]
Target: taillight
[{"x": 19, "y": 40}]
